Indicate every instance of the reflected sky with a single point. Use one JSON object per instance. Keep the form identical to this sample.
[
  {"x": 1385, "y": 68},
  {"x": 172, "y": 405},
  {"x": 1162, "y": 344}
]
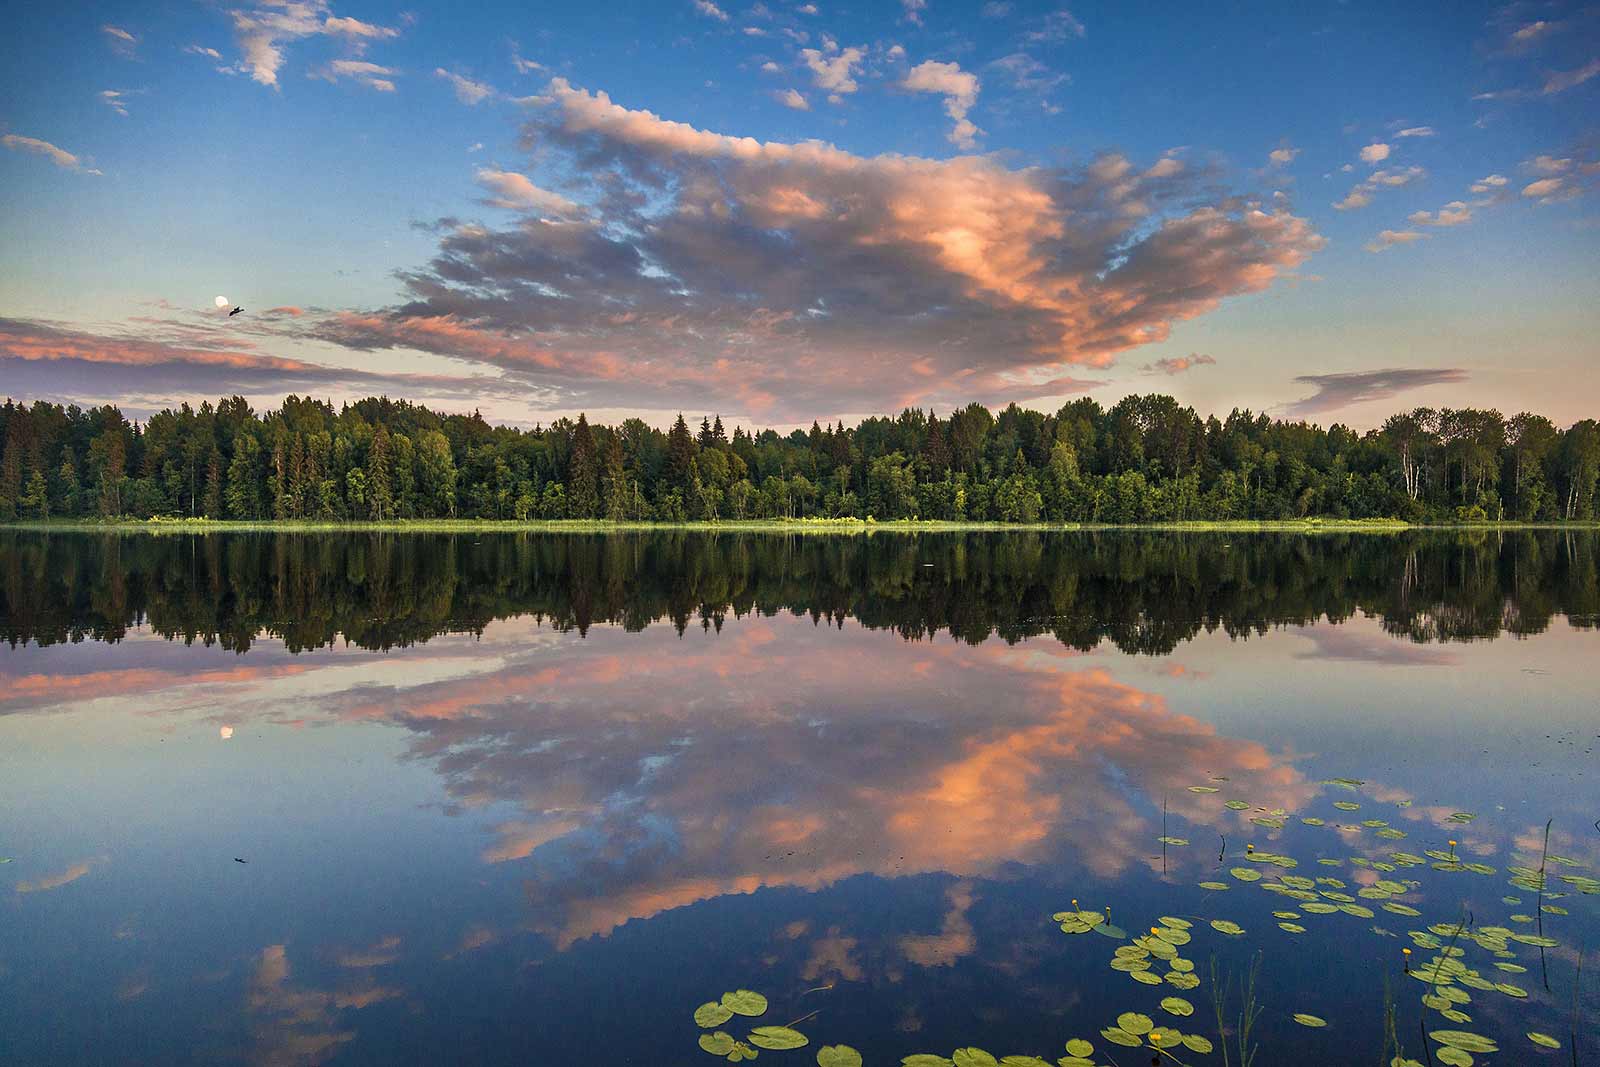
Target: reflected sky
[{"x": 499, "y": 844}]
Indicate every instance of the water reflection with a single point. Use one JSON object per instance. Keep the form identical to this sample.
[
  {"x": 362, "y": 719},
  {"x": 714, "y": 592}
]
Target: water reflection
[
  {"x": 492, "y": 824},
  {"x": 1146, "y": 593}
]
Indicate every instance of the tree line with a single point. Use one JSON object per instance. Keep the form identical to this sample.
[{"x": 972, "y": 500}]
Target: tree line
[
  {"x": 1145, "y": 592},
  {"x": 1144, "y": 459}
]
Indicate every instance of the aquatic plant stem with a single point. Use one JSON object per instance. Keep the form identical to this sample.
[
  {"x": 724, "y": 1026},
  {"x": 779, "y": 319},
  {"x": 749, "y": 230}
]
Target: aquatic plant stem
[
  {"x": 1538, "y": 911},
  {"x": 1577, "y": 985}
]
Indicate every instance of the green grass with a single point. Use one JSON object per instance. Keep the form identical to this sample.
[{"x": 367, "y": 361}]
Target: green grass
[{"x": 848, "y": 526}]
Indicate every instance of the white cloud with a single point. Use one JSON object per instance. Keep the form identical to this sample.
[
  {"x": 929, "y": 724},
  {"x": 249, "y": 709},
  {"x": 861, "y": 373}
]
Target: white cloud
[
  {"x": 1546, "y": 190},
  {"x": 372, "y": 75},
  {"x": 710, "y": 10},
  {"x": 262, "y": 33},
  {"x": 959, "y": 89},
  {"x": 1455, "y": 213},
  {"x": 791, "y": 98},
  {"x": 1282, "y": 157},
  {"x": 1054, "y": 27},
  {"x": 467, "y": 91},
  {"x": 1417, "y": 131},
  {"x": 202, "y": 50},
  {"x": 1490, "y": 184},
  {"x": 1376, "y": 152},
  {"x": 515, "y": 192},
  {"x": 807, "y": 9},
  {"x": 121, "y": 41},
  {"x": 59, "y": 156},
  {"x": 913, "y": 10},
  {"x": 769, "y": 67},
  {"x": 1549, "y": 165},
  {"x": 834, "y": 73},
  {"x": 1388, "y": 239},
  {"x": 1559, "y": 81},
  {"x": 113, "y": 98},
  {"x": 996, "y": 9},
  {"x": 1361, "y": 194}
]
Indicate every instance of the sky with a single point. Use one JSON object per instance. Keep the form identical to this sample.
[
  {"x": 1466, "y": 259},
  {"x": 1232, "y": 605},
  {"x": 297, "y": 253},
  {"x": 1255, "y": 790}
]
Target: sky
[{"x": 780, "y": 212}]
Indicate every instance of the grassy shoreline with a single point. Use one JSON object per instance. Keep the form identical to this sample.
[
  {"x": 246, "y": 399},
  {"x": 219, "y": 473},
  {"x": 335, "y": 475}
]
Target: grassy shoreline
[{"x": 792, "y": 526}]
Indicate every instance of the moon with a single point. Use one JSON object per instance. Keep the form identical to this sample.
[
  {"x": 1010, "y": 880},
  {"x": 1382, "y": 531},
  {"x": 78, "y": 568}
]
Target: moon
[{"x": 221, "y": 301}]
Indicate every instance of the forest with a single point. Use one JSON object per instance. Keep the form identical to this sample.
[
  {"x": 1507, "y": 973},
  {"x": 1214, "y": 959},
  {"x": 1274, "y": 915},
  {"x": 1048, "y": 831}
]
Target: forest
[{"x": 1145, "y": 459}]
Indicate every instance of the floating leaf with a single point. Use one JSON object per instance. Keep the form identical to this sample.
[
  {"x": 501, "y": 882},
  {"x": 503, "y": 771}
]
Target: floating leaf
[
  {"x": 1512, "y": 990},
  {"x": 1134, "y": 1023},
  {"x": 1145, "y": 977},
  {"x": 744, "y": 1002},
  {"x": 1454, "y": 1057},
  {"x": 1236, "y": 805},
  {"x": 1023, "y": 1061},
  {"x": 1314, "y": 1021},
  {"x": 1543, "y": 1040},
  {"x": 1347, "y": 805},
  {"x": 1118, "y": 1036},
  {"x": 777, "y": 1037},
  {"x": 926, "y": 1059},
  {"x": 718, "y": 1044},
  {"x": 838, "y": 1056},
  {"x": 711, "y": 1013},
  {"x": 1080, "y": 1048},
  {"x": 1224, "y": 926},
  {"x": 1203, "y": 789},
  {"x": 1293, "y": 928},
  {"x": 1214, "y": 885},
  {"x": 1175, "y": 922},
  {"x": 973, "y": 1057},
  {"x": 1176, "y": 1006},
  {"x": 1197, "y": 1043},
  {"x": 1464, "y": 1040},
  {"x": 1173, "y": 840}
]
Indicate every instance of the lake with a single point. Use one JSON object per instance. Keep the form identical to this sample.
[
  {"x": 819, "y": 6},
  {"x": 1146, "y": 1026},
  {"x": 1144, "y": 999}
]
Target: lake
[{"x": 537, "y": 798}]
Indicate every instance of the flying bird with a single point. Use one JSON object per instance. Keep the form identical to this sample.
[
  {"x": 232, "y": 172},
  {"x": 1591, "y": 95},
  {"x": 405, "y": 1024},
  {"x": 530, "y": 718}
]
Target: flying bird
[{"x": 234, "y": 312}]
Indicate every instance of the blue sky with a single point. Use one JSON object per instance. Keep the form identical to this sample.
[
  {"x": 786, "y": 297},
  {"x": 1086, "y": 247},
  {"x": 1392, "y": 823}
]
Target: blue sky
[{"x": 537, "y": 210}]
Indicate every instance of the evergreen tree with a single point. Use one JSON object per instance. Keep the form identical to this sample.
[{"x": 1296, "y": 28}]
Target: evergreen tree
[
  {"x": 379, "y": 488},
  {"x": 212, "y": 505},
  {"x": 583, "y": 475}
]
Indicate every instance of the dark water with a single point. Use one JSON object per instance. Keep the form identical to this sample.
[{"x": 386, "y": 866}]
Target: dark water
[{"x": 534, "y": 798}]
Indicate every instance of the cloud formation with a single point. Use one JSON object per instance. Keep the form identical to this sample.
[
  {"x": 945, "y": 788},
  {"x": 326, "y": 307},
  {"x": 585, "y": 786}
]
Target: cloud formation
[
  {"x": 467, "y": 91},
  {"x": 1361, "y": 194},
  {"x": 1178, "y": 364},
  {"x": 959, "y": 89},
  {"x": 1375, "y": 153},
  {"x": 793, "y": 279},
  {"x": 59, "y": 156},
  {"x": 832, "y": 69},
  {"x": 515, "y": 192},
  {"x": 1335, "y": 391},
  {"x": 1387, "y": 239},
  {"x": 262, "y": 33}
]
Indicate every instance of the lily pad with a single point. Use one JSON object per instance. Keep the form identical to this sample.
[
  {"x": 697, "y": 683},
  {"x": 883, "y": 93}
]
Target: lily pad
[
  {"x": 926, "y": 1059},
  {"x": 838, "y": 1056},
  {"x": 1176, "y": 1006},
  {"x": 1203, "y": 789},
  {"x": 710, "y": 1014},
  {"x": 1543, "y": 1040},
  {"x": 1118, "y": 1036},
  {"x": 1464, "y": 1040},
  {"x": 777, "y": 1037},
  {"x": 1313, "y": 1021},
  {"x": 1225, "y": 926},
  {"x": 718, "y": 1044},
  {"x": 1134, "y": 1023},
  {"x": 1197, "y": 1043},
  {"x": 1080, "y": 1048},
  {"x": 744, "y": 1002},
  {"x": 973, "y": 1057}
]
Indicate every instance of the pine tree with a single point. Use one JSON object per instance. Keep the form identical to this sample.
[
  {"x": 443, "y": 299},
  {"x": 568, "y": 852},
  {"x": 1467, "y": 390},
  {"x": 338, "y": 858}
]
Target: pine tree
[
  {"x": 617, "y": 490},
  {"x": 35, "y": 499},
  {"x": 67, "y": 483},
  {"x": 243, "y": 499},
  {"x": 212, "y": 507},
  {"x": 719, "y": 436},
  {"x": 583, "y": 476},
  {"x": 680, "y": 454},
  {"x": 380, "y": 491}
]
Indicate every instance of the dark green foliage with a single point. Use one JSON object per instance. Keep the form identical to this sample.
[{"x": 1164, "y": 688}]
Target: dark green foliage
[{"x": 1146, "y": 459}]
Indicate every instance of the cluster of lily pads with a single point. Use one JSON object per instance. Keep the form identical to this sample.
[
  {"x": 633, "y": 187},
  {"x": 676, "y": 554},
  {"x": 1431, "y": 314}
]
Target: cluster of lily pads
[
  {"x": 713, "y": 1014},
  {"x": 1155, "y": 957}
]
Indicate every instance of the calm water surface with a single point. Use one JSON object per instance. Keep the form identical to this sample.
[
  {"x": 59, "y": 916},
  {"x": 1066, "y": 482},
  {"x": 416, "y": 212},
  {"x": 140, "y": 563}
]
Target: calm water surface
[{"x": 534, "y": 798}]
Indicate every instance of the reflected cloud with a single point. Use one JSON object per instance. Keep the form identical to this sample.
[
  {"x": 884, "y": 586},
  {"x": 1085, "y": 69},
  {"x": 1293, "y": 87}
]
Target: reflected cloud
[
  {"x": 656, "y": 774},
  {"x": 56, "y": 881}
]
